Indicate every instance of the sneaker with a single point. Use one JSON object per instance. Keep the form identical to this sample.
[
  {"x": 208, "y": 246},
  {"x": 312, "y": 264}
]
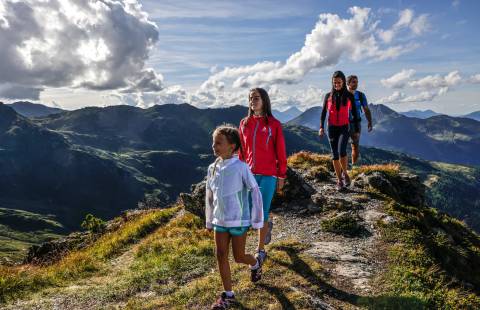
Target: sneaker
[
  {"x": 261, "y": 255},
  {"x": 268, "y": 236},
  {"x": 339, "y": 185},
  {"x": 346, "y": 179},
  {"x": 223, "y": 301},
  {"x": 256, "y": 274}
]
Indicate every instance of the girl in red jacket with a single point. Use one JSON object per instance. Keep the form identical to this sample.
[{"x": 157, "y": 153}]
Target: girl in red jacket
[
  {"x": 263, "y": 147},
  {"x": 339, "y": 104}
]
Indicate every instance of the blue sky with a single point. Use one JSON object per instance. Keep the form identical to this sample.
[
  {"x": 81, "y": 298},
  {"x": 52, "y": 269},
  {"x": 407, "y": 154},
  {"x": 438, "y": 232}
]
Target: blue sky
[{"x": 434, "y": 64}]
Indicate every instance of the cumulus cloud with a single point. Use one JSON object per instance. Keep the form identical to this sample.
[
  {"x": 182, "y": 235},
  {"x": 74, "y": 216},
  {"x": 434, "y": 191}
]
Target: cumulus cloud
[
  {"x": 97, "y": 45},
  {"x": 475, "y": 79},
  {"x": 406, "y": 20},
  {"x": 430, "y": 86},
  {"x": 435, "y": 81},
  {"x": 393, "y": 98},
  {"x": 398, "y": 80},
  {"x": 405, "y": 78},
  {"x": 213, "y": 98},
  {"x": 332, "y": 38}
]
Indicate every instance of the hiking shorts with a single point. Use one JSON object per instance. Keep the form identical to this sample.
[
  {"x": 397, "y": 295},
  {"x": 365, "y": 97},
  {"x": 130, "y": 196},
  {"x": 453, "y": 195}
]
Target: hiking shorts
[
  {"x": 338, "y": 137},
  {"x": 355, "y": 140},
  {"x": 233, "y": 231}
]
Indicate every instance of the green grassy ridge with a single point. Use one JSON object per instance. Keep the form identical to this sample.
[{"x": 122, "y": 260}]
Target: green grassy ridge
[
  {"x": 430, "y": 258},
  {"x": 30, "y": 228},
  {"x": 18, "y": 281}
]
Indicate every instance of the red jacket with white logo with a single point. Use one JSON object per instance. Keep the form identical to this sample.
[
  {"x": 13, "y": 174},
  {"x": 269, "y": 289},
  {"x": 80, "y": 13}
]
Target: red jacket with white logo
[{"x": 263, "y": 146}]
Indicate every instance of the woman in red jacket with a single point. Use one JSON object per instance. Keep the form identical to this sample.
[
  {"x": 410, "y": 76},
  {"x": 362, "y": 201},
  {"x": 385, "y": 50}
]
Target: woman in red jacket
[
  {"x": 263, "y": 147},
  {"x": 339, "y": 104}
]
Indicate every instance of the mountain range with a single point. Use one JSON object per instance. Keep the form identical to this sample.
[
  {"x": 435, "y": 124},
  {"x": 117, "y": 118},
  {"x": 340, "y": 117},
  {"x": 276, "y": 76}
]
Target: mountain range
[
  {"x": 420, "y": 113},
  {"x": 287, "y": 115},
  {"x": 60, "y": 167},
  {"x": 437, "y": 138}
]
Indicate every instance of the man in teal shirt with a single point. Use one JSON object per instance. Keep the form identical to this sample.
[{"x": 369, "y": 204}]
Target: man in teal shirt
[{"x": 361, "y": 105}]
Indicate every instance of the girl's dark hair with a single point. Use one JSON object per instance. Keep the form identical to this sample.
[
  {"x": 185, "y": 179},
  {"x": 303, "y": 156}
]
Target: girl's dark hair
[
  {"x": 266, "y": 105},
  {"x": 232, "y": 135},
  {"x": 342, "y": 94}
]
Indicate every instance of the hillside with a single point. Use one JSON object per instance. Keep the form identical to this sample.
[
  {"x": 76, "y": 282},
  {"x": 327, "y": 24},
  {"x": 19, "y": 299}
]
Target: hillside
[
  {"x": 420, "y": 113},
  {"x": 120, "y": 155},
  {"x": 375, "y": 245},
  {"x": 44, "y": 174},
  {"x": 437, "y": 138},
  {"x": 30, "y": 110},
  {"x": 474, "y": 115}
]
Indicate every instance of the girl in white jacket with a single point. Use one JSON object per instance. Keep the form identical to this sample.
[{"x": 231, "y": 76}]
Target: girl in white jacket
[{"x": 227, "y": 210}]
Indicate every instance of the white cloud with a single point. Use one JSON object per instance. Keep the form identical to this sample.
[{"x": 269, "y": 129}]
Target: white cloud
[
  {"x": 96, "y": 45},
  {"x": 475, "y": 79},
  {"x": 436, "y": 81},
  {"x": 393, "y": 98},
  {"x": 406, "y": 20},
  {"x": 398, "y": 80},
  {"x": 330, "y": 40},
  {"x": 422, "y": 97},
  {"x": 431, "y": 86}
]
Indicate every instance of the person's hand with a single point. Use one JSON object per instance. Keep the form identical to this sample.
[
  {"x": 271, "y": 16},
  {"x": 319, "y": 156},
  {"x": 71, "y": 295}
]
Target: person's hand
[
  {"x": 370, "y": 127},
  {"x": 280, "y": 184},
  {"x": 321, "y": 132}
]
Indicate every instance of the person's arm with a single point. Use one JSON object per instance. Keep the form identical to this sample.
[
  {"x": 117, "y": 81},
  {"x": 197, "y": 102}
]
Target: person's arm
[
  {"x": 256, "y": 214},
  {"x": 281, "y": 154},
  {"x": 368, "y": 114},
  {"x": 324, "y": 115},
  {"x": 354, "y": 111},
  {"x": 208, "y": 203},
  {"x": 241, "y": 151}
]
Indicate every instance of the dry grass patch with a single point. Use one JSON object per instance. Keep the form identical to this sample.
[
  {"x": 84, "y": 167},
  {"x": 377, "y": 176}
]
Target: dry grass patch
[{"x": 389, "y": 169}]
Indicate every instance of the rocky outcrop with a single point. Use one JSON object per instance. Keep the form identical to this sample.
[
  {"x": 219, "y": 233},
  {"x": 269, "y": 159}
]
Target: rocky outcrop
[
  {"x": 195, "y": 201},
  {"x": 404, "y": 187}
]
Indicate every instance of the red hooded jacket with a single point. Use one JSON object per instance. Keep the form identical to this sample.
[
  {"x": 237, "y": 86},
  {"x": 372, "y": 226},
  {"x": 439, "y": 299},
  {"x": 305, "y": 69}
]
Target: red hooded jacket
[{"x": 263, "y": 146}]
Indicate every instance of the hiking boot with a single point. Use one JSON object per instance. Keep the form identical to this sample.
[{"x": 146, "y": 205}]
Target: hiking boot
[
  {"x": 268, "y": 236},
  {"x": 261, "y": 256},
  {"x": 256, "y": 274},
  {"x": 223, "y": 301}
]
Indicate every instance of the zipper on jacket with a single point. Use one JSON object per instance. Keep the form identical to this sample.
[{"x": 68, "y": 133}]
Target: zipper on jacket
[
  {"x": 254, "y": 141},
  {"x": 269, "y": 135}
]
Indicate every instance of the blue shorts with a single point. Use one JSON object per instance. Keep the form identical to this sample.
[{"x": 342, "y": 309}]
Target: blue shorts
[
  {"x": 234, "y": 231},
  {"x": 268, "y": 186}
]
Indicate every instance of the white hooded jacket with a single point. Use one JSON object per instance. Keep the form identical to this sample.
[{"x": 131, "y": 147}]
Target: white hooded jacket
[{"x": 226, "y": 199}]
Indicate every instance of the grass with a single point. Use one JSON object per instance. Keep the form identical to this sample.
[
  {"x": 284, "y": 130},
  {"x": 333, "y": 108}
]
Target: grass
[
  {"x": 389, "y": 169},
  {"x": 344, "y": 224},
  {"x": 17, "y": 281},
  {"x": 291, "y": 280},
  {"x": 428, "y": 252},
  {"x": 317, "y": 166}
]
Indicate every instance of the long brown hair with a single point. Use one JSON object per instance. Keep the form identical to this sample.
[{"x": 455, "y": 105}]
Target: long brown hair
[
  {"x": 266, "y": 104},
  {"x": 343, "y": 93}
]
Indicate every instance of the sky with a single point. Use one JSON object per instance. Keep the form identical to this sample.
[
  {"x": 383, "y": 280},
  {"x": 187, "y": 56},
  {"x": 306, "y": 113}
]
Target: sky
[{"x": 76, "y": 53}]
